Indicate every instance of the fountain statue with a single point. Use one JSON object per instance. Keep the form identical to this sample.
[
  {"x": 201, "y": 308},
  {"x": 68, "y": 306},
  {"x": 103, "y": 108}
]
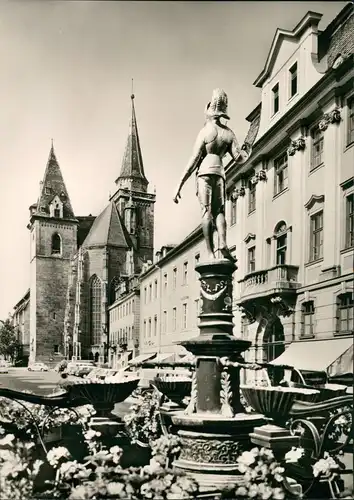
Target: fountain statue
[
  {"x": 214, "y": 141},
  {"x": 214, "y": 428}
]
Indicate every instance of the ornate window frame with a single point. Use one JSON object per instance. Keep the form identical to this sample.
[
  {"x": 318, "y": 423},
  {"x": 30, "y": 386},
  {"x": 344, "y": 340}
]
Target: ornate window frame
[{"x": 314, "y": 206}]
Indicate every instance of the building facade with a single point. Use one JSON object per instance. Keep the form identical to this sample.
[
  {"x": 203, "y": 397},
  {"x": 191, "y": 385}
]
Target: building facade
[
  {"x": 291, "y": 204},
  {"x": 170, "y": 297},
  {"x": 77, "y": 262},
  {"x": 21, "y": 321},
  {"x": 124, "y": 324}
]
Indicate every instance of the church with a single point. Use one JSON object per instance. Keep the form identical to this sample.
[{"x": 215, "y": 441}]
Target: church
[{"x": 78, "y": 262}]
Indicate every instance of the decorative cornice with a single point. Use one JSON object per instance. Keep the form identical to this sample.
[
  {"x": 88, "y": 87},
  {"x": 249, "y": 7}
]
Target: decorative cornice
[
  {"x": 329, "y": 118},
  {"x": 298, "y": 145},
  {"x": 249, "y": 237},
  {"x": 314, "y": 199},
  {"x": 237, "y": 192},
  {"x": 347, "y": 183},
  {"x": 259, "y": 176}
]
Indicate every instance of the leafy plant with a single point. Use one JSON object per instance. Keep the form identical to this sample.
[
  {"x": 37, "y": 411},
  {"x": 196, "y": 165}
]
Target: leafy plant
[{"x": 143, "y": 421}]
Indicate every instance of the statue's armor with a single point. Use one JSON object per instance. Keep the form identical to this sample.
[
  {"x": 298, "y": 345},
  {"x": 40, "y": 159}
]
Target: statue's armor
[{"x": 217, "y": 142}]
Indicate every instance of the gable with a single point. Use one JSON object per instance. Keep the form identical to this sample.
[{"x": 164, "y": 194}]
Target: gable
[{"x": 311, "y": 20}]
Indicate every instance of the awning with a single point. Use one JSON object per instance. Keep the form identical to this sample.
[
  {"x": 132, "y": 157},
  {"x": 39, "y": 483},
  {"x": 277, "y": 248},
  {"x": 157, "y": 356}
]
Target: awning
[
  {"x": 331, "y": 356},
  {"x": 141, "y": 358},
  {"x": 165, "y": 356}
]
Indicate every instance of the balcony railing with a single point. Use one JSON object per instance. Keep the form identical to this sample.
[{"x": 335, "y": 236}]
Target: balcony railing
[{"x": 269, "y": 281}]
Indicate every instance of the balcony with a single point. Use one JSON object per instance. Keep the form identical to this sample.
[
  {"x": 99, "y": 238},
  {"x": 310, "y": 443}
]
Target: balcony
[{"x": 269, "y": 286}]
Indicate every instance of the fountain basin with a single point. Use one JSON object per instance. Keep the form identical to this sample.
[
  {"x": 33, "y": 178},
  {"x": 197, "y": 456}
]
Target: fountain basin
[
  {"x": 176, "y": 388},
  {"x": 276, "y": 402},
  {"x": 101, "y": 394}
]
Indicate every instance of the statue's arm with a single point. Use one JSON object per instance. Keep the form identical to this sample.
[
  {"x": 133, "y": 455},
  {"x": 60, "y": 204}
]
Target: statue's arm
[
  {"x": 195, "y": 160},
  {"x": 239, "y": 155}
]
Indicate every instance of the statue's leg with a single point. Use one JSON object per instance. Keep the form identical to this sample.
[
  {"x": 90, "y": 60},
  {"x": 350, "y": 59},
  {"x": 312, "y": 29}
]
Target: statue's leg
[
  {"x": 220, "y": 219},
  {"x": 204, "y": 195}
]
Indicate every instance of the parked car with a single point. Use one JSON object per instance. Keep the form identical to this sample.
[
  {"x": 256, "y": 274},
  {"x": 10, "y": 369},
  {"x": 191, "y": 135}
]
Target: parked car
[
  {"x": 80, "y": 368},
  {"x": 4, "y": 367},
  {"x": 38, "y": 367}
]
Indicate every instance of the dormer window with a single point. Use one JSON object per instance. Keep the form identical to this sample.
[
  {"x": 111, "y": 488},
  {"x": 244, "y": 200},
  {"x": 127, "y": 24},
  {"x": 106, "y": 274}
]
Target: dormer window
[
  {"x": 56, "y": 244},
  {"x": 47, "y": 190},
  {"x": 293, "y": 80},
  {"x": 275, "y": 95},
  {"x": 56, "y": 208}
]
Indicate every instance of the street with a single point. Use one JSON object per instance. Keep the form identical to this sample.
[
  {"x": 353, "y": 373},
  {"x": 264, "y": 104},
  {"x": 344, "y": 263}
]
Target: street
[
  {"x": 44, "y": 384},
  {"x": 20, "y": 379}
]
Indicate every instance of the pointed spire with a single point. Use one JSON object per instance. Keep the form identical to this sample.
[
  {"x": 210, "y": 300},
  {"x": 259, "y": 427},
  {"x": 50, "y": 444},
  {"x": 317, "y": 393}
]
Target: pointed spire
[
  {"x": 53, "y": 186},
  {"x": 132, "y": 165}
]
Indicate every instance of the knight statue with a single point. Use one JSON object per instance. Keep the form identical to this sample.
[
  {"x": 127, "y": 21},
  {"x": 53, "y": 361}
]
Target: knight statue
[{"x": 213, "y": 142}]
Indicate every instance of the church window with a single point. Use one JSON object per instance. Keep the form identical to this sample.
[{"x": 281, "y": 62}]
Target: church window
[
  {"x": 95, "y": 310},
  {"x": 47, "y": 190},
  {"x": 56, "y": 244}
]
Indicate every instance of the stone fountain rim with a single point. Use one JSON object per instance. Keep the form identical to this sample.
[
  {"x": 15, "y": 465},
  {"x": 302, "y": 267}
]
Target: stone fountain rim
[{"x": 287, "y": 390}]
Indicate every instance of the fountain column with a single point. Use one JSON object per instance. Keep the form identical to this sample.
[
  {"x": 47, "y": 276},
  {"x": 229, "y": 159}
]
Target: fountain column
[{"x": 214, "y": 429}]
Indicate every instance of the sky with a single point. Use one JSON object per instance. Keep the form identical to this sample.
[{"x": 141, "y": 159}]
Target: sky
[{"x": 66, "y": 70}]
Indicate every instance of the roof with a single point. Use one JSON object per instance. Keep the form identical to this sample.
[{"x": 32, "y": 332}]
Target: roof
[
  {"x": 311, "y": 18},
  {"x": 132, "y": 165},
  {"x": 108, "y": 230},
  {"x": 53, "y": 185},
  {"x": 85, "y": 224}
]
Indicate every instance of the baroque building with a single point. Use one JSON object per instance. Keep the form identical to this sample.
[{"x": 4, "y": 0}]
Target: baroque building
[
  {"x": 291, "y": 205},
  {"x": 289, "y": 211},
  {"x": 78, "y": 263}
]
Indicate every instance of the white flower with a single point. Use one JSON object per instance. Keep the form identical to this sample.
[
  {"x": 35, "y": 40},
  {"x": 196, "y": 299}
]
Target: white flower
[
  {"x": 116, "y": 452},
  {"x": 324, "y": 466},
  {"x": 278, "y": 494},
  {"x": 68, "y": 468},
  {"x": 114, "y": 488},
  {"x": 36, "y": 466},
  {"x": 7, "y": 440},
  {"x": 294, "y": 455},
  {"x": 90, "y": 434},
  {"x": 55, "y": 454},
  {"x": 247, "y": 458}
]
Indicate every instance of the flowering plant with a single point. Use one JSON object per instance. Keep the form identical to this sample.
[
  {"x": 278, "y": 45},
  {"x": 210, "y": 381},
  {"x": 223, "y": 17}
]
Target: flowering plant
[
  {"x": 143, "y": 421},
  {"x": 18, "y": 469},
  {"x": 101, "y": 475},
  {"x": 43, "y": 417},
  {"x": 165, "y": 449},
  {"x": 263, "y": 476}
]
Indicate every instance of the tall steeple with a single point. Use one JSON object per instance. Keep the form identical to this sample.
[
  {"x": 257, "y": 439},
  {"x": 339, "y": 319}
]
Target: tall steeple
[
  {"x": 53, "y": 192},
  {"x": 132, "y": 175}
]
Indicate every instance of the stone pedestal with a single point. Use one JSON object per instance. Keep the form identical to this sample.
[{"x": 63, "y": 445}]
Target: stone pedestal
[
  {"x": 280, "y": 441},
  {"x": 214, "y": 428}
]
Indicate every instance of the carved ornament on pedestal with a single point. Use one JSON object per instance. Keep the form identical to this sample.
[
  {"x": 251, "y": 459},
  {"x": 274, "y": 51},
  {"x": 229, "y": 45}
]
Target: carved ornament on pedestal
[
  {"x": 298, "y": 145},
  {"x": 333, "y": 116}
]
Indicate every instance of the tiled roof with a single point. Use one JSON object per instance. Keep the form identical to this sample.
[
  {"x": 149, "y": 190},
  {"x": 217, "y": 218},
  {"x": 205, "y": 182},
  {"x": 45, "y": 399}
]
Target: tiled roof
[
  {"x": 108, "y": 230},
  {"x": 53, "y": 185},
  {"x": 132, "y": 165}
]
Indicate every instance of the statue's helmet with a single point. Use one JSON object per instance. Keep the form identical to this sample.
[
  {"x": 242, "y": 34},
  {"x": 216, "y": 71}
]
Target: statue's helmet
[{"x": 218, "y": 105}]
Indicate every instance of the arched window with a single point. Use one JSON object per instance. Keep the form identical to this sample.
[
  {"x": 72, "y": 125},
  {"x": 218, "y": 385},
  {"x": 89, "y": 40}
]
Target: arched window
[
  {"x": 56, "y": 244},
  {"x": 112, "y": 290},
  {"x": 281, "y": 237},
  {"x": 95, "y": 310}
]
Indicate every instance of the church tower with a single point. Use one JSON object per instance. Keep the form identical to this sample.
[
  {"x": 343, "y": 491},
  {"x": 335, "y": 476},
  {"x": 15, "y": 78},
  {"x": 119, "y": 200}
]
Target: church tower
[
  {"x": 53, "y": 229},
  {"x": 135, "y": 205}
]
